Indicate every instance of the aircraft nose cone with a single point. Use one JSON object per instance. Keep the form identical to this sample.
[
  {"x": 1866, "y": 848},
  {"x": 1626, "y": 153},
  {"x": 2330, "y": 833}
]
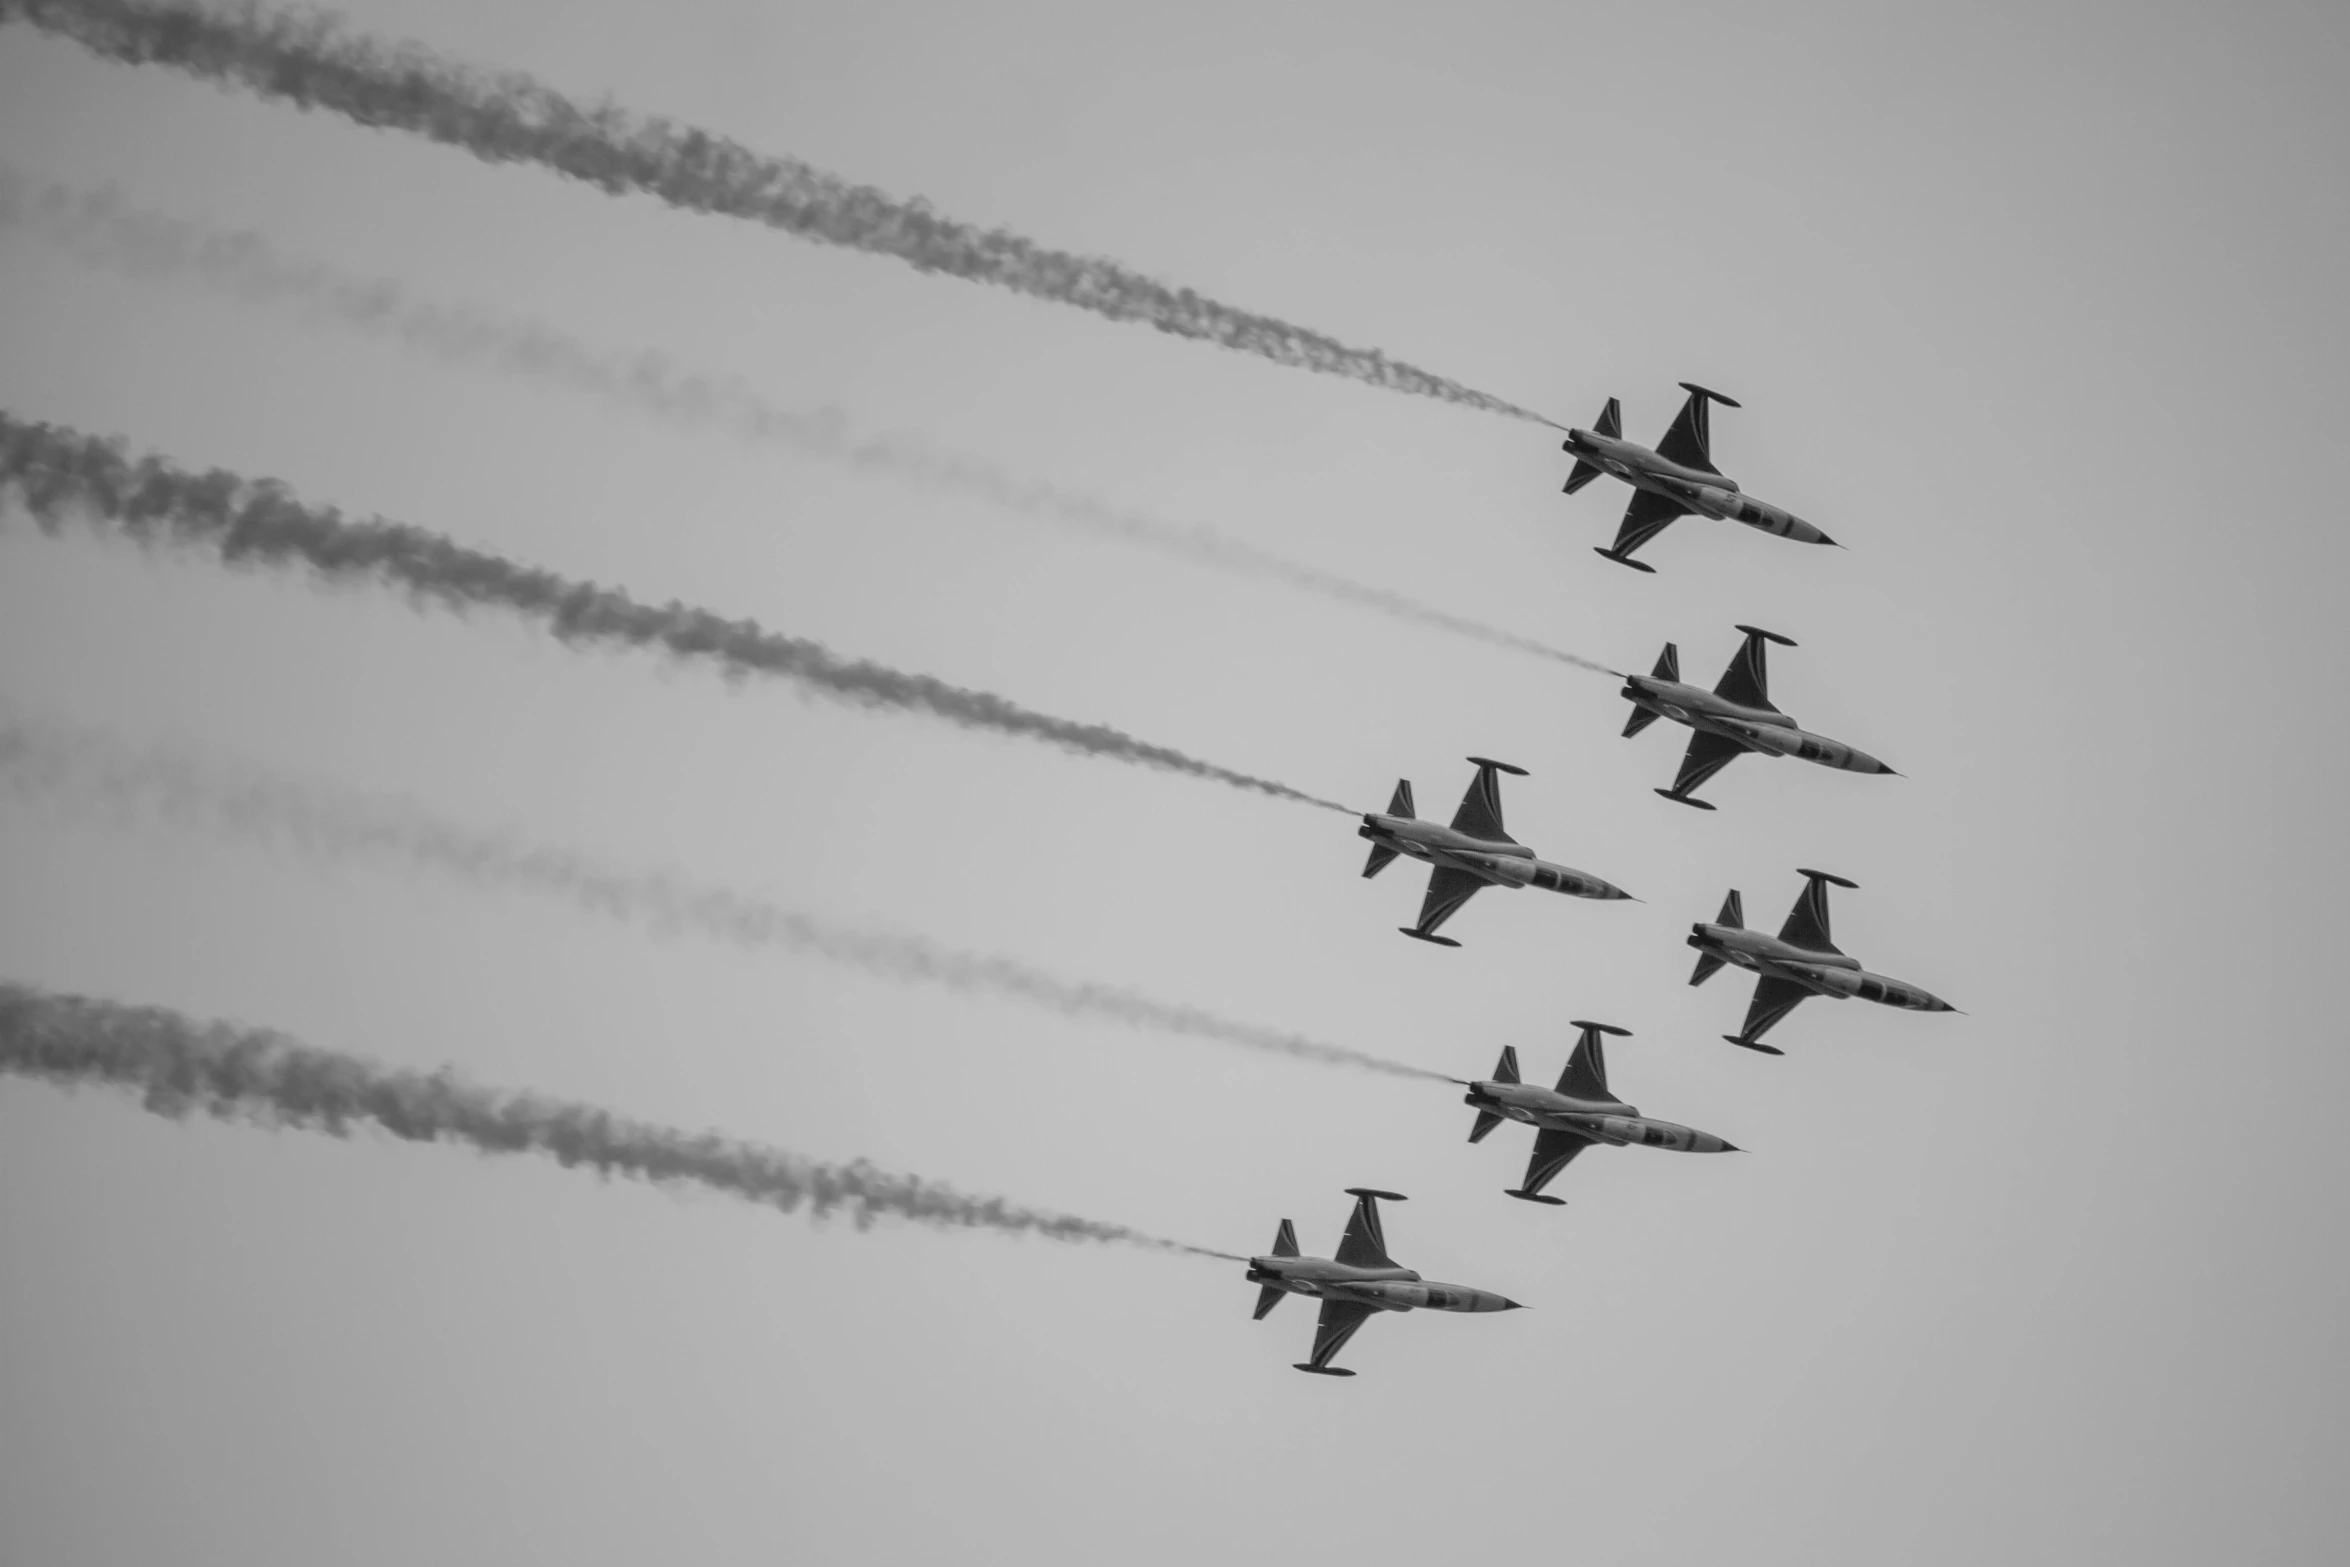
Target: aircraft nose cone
[
  {"x": 1732, "y": 1148},
  {"x": 1511, "y": 1305}
]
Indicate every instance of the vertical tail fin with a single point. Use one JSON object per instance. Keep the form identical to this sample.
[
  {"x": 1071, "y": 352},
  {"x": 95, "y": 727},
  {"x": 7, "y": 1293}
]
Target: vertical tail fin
[
  {"x": 1506, "y": 1069},
  {"x": 1610, "y": 423},
  {"x": 1733, "y": 912},
  {"x": 1400, "y": 803},
  {"x": 1284, "y": 1241},
  {"x": 1668, "y": 667}
]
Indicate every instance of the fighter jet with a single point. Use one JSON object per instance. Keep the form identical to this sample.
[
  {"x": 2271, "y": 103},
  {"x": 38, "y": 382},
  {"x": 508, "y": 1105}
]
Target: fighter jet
[
  {"x": 1573, "y": 1116},
  {"x": 1800, "y": 961},
  {"x": 1473, "y": 852},
  {"x": 1362, "y": 1279},
  {"x": 1734, "y": 717},
  {"x": 1677, "y": 478}
]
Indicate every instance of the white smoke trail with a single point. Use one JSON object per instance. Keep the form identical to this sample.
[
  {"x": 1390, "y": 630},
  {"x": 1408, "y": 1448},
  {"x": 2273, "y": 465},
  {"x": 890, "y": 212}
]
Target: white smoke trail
[
  {"x": 177, "y": 1066},
  {"x": 99, "y": 229},
  {"x": 308, "y": 60},
  {"x": 90, "y": 774},
  {"x": 68, "y": 479}
]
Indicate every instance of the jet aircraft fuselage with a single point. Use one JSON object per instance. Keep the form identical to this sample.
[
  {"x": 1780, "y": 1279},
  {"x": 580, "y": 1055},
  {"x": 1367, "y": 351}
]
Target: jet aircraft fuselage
[
  {"x": 1821, "y": 973},
  {"x": 1496, "y": 863},
  {"x": 1602, "y": 1120},
  {"x": 1381, "y": 1289},
  {"x": 1692, "y": 489},
  {"x": 1762, "y": 729}
]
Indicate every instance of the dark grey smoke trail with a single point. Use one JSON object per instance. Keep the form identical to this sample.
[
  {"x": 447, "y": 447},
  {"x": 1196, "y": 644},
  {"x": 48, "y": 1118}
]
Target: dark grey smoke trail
[
  {"x": 177, "y": 1066},
  {"x": 308, "y": 60},
  {"x": 67, "y": 478},
  {"x": 97, "y": 228},
  {"x": 90, "y": 774}
]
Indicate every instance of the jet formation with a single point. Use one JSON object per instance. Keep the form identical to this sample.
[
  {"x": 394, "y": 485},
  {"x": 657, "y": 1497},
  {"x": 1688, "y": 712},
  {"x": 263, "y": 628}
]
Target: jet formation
[{"x": 1737, "y": 716}]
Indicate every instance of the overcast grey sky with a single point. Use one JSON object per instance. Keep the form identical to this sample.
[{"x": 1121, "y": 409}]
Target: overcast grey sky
[{"x": 2034, "y": 307}]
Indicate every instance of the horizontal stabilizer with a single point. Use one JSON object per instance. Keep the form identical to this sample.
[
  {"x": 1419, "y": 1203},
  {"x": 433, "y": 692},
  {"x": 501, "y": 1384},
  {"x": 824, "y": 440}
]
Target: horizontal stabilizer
[
  {"x": 1726, "y": 402},
  {"x": 1601, "y": 1028},
  {"x": 1369, "y": 1191},
  {"x": 1434, "y": 941},
  {"x": 1767, "y": 636},
  {"x": 1381, "y": 855},
  {"x": 1707, "y": 967},
  {"x": 1323, "y": 1371},
  {"x": 1733, "y": 911},
  {"x": 1683, "y": 799},
  {"x": 1285, "y": 1240},
  {"x": 1582, "y": 473},
  {"x": 1506, "y": 1069},
  {"x": 1400, "y": 802},
  {"x": 1486, "y": 1121},
  {"x": 1824, "y": 876},
  {"x": 1499, "y": 767},
  {"x": 1267, "y": 1298},
  {"x": 1668, "y": 664},
  {"x": 1624, "y": 560},
  {"x": 1641, "y": 718},
  {"x": 1611, "y": 420},
  {"x": 1548, "y": 1202}
]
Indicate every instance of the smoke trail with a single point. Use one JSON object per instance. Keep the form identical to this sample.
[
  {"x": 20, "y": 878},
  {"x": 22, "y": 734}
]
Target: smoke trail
[
  {"x": 177, "y": 1066},
  {"x": 99, "y": 229},
  {"x": 90, "y": 774},
  {"x": 67, "y": 478},
  {"x": 308, "y": 60}
]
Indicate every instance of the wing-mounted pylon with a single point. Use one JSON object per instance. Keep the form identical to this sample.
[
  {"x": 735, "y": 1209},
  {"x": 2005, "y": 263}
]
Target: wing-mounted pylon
[
  {"x": 1807, "y": 922},
  {"x": 1364, "y": 1245},
  {"x": 1480, "y": 812},
  {"x": 1610, "y": 423},
  {"x": 1747, "y": 681},
  {"x": 1586, "y": 1073}
]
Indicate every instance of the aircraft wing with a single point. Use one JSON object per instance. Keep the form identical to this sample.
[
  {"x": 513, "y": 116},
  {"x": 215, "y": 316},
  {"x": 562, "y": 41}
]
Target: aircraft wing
[
  {"x": 1690, "y": 441},
  {"x": 1340, "y": 1318},
  {"x": 1774, "y": 998},
  {"x": 1554, "y": 1150},
  {"x": 1807, "y": 922},
  {"x": 1448, "y": 888},
  {"x": 1648, "y": 515},
  {"x": 1708, "y": 754},
  {"x": 1364, "y": 1245},
  {"x": 1586, "y": 1073},
  {"x": 1747, "y": 681},
  {"x": 1480, "y": 812}
]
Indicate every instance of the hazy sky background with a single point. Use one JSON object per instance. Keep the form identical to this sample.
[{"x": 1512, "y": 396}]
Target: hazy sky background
[{"x": 2037, "y": 308}]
